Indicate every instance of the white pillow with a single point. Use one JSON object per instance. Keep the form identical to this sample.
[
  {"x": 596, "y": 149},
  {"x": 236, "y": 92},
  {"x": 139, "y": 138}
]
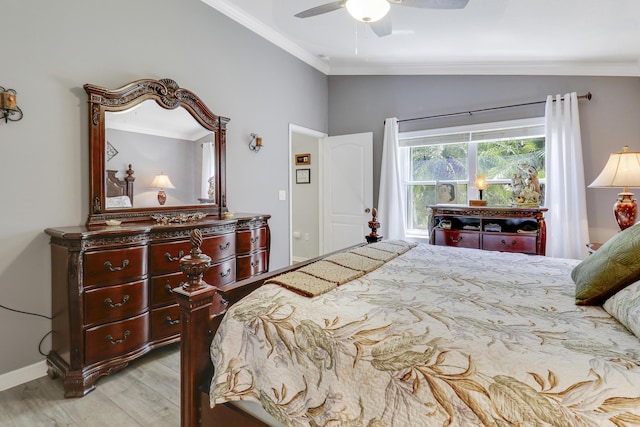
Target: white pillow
[
  {"x": 624, "y": 305},
  {"x": 118, "y": 202}
]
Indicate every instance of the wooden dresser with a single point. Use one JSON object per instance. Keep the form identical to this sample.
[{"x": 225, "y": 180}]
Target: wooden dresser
[
  {"x": 507, "y": 229},
  {"x": 112, "y": 295}
]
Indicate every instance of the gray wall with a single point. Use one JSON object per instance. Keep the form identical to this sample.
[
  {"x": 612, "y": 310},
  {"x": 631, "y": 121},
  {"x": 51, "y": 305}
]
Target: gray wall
[
  {"x": 608, "y": 122},
  {"x": 58, "y": 46},
  {"x": 305, "y": 203}
]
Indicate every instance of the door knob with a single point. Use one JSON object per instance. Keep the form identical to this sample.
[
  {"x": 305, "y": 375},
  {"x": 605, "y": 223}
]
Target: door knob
[{"x": 367, "y": 210}]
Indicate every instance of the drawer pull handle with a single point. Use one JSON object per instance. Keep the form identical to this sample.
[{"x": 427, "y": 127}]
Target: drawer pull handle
[
  {"x": 459, "y": 239},
  {"x": 111, "y": 341},
  {"x": 513, "y": 243},
  {"x": 255, "y": 239},
  {"x": 225, "y": 274},
  {"x": 169, "y": 289},
  {"x": 172, "y": 322},
  {"x": 168, "y": 256},
  {"x": 109, "y": 303},
  {"x": 225, "y": 247},
  {"x": 110, "y": 266}
]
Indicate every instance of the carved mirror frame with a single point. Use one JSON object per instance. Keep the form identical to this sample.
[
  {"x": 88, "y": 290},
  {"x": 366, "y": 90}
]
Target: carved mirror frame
[{"x": 168, "y": 95}]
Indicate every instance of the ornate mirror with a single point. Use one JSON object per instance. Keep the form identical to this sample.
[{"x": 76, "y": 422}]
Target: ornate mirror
[{"x": 155, "y": 148}]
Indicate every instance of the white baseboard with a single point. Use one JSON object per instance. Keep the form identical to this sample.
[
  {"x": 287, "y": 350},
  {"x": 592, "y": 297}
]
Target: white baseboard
[{"x": 23, "y": 375}]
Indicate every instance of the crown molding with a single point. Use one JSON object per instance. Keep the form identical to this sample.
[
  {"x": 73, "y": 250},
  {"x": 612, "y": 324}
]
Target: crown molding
[
  {"x": 630, "y": 68},
  {"x": 230, "y": 10}
]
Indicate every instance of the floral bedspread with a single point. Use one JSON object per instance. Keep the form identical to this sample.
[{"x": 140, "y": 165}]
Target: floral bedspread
[{"x": 436, "y": 337}]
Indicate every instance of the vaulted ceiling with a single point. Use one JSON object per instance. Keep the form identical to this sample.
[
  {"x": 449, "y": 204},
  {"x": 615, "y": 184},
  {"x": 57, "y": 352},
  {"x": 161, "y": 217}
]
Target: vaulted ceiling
[{"x": 543, "y": 37}]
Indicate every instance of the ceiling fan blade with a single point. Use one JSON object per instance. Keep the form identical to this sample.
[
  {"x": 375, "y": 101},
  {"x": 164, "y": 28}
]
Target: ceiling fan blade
[
  {"x": 432, "y": 4},
  {"x": 319, "y": 10},
  {"x": 382, "y": 27}
]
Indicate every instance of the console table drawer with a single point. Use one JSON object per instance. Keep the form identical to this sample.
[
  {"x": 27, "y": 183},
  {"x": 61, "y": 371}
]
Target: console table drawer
[
  {"x": 116, "y": 338},
  {"x": 457, "y": 238},
  {"x": 114, "y": 302},
  {"x": 510, "y": 243},
  {"x": 114, "y": 266},
  {"x": 249, "y": 265},
  {"x": 165, "y": 322},
  {"x": 251, "y": 240}
]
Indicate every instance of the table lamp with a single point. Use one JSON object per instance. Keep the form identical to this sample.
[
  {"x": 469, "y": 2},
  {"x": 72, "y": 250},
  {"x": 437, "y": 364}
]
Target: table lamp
[
  {"x": 481, "y": 184},
  {"x": 162, "y": 181},
  {"x": 622, "y": 170}
]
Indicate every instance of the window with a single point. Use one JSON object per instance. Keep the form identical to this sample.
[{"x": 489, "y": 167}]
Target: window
[{"x": 440, "y": 165}]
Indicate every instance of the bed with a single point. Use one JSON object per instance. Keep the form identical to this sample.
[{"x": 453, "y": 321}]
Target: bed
[
  {"x": 433, "y": 336},
  {"x": 119, "y": 191}
]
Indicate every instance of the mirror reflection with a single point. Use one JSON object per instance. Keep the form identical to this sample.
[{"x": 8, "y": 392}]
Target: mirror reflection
[{"x": 171, "y": 154}]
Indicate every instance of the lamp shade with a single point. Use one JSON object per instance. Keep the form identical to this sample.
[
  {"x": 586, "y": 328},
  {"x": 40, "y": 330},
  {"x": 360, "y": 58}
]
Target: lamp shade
[
  {"x": 481, "y": 182},
  {"x": 622, "y": 170},
  {"x": 368, "y": 10},
  {"x": 161, "y": 181}
]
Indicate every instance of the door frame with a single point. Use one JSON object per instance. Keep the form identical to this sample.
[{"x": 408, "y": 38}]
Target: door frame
[{"x": 293, "y": 128}]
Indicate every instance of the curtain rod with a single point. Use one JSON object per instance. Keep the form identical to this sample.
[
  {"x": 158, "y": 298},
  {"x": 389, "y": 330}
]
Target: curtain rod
[{"x": 587, "y": 96}]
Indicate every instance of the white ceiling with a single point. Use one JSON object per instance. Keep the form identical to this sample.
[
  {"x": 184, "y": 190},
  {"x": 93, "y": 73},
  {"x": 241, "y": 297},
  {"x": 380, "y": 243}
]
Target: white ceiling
[{"x": 535, "y": 37}]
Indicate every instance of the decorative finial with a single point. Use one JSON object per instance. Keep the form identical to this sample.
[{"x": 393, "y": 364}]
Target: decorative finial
[
  {"x": 374, "y": 225},
  {"x": 195, "y": 264},
  {"x": 196, "y": 242}
]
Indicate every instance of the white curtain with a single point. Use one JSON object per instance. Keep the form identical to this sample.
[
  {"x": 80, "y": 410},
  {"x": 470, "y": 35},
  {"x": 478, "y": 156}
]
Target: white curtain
[
  {"x": 208, "y": 168},
  {"x": 567, "y": 226},
  {"x": 391, "y": 204}
]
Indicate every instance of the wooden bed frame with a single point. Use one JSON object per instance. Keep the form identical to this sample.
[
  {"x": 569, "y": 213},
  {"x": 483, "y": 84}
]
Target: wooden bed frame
[
  {"x": 120, "y": 187},
  {"x": 202, "y": 308}
]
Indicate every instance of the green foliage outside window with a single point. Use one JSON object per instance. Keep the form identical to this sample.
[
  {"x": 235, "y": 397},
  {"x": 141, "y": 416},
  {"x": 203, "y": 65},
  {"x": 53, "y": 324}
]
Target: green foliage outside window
[{"x": 497, "y": 160}]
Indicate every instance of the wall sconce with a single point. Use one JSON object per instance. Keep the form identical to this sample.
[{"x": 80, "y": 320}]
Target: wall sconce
[
  {"x": 162, "y": 181},
  {"x": 481, "y": 184},
  {"x": 9, "y": 109},
  {"x": 256, "y": 142}
]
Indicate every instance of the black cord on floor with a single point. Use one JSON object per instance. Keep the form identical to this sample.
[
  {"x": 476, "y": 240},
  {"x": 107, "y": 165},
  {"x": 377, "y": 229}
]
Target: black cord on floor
[
  {"x": 24, "y": 312},
  {"x": 31, "y": 314}
]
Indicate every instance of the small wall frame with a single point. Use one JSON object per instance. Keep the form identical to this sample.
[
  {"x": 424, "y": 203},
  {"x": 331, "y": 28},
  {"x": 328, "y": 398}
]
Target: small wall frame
[
  {"x": 303, "y": 159},
  {"x": 303, "y": 176}
]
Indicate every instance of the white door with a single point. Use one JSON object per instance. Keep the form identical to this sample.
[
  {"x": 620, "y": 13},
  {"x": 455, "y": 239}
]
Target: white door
[{"x": 347, "y": 175}]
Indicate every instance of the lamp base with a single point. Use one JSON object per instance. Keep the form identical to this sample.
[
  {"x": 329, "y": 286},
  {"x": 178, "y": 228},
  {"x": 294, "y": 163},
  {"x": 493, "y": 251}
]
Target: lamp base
[
  {"x": 477, "y": 203},
  {"x": 625, "y": 210},
  {"x": 162, "y": 197}
]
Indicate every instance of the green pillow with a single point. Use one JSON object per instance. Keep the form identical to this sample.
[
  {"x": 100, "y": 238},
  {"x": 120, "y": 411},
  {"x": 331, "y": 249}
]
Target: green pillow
[{"x": 612, "y": 267}]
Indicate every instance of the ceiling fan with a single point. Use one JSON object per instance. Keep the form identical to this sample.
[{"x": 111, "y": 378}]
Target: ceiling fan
[{"x": 375, "y": 12}]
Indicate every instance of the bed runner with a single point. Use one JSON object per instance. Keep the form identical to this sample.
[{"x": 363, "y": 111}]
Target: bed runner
[{"x": 327, "y": 274}]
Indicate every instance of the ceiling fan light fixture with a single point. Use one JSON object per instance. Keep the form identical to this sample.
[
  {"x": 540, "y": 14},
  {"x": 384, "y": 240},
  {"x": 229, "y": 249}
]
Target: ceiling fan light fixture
[{"x": 368, "y": 10}]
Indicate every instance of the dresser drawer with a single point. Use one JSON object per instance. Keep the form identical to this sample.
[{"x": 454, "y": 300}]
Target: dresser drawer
[
  {"x": 219, "y": 247},
  {"x": 161, "y": 287},
  {"x": 114, "y": 302},
  {"x": 509, "y": 243},
  {"x": 165, "y": 257},
  {"x": 250, "y": 265},
  {"x": 165, "y": 322},
  {"x": 251, "y": 240},
  {"x": 460, "y": 239},
  {"x": 114, "y": 266},
  {"x": 221, "y": 273},
  {"x": 112, "y": 339}
]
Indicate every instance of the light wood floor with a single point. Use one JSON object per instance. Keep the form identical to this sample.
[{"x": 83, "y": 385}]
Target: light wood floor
[{"x": 145, "y": 393}]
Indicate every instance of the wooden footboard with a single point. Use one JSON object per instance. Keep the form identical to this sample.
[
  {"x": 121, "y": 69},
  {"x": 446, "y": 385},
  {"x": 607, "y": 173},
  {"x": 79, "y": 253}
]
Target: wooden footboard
[{"x": 202, "y": 309}]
